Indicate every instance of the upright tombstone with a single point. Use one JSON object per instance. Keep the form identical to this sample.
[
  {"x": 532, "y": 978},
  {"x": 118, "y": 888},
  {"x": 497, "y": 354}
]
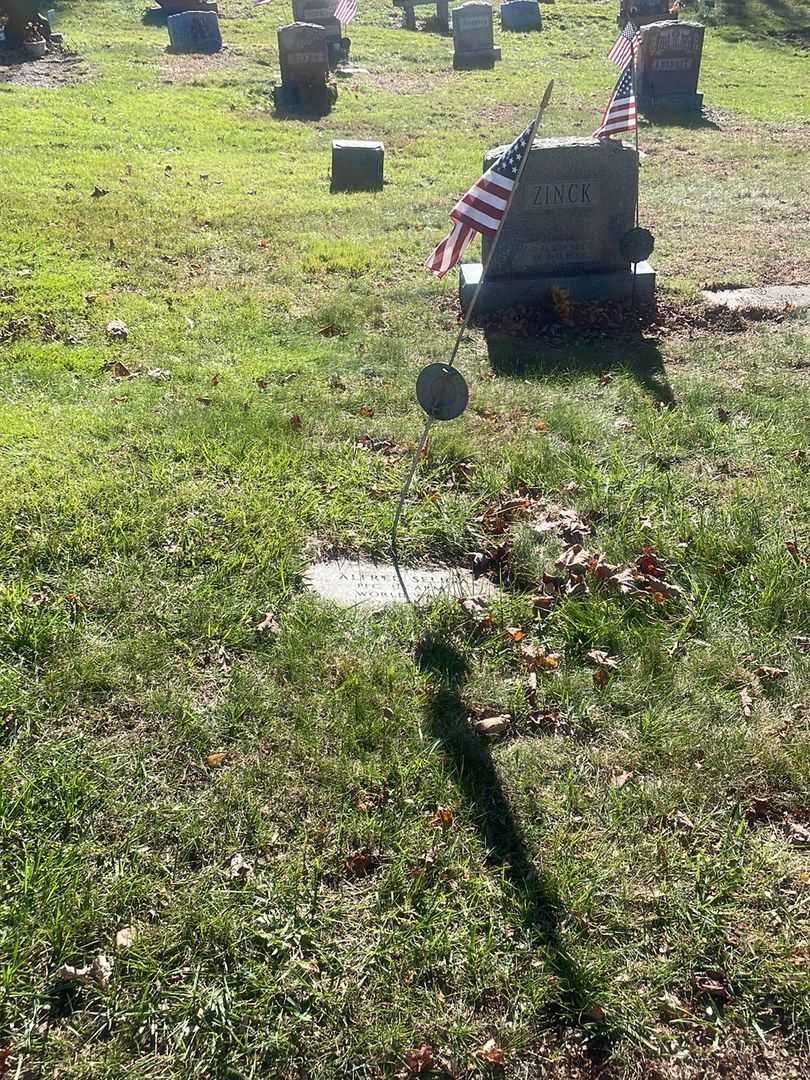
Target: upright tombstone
[
  {"x": 567, "y": 228},
  {"x": 473, "y": 36},
  {"x": 641, "y": 12},
  {"x": 304, "y": 59},
  {"x": 194, "y": 32},
  {"x": 322, "y": 13},
  {"x": 521, "y": 15},
  {"x": 668, "y": 67},
  {"x": 409, "y": 15}
]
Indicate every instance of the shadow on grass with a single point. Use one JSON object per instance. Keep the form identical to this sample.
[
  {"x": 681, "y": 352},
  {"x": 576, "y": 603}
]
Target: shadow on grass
[
  {"x": 537, "y": 358},
  {"x": 671, "y": 118},
  {"x": 470, "y": 761}
]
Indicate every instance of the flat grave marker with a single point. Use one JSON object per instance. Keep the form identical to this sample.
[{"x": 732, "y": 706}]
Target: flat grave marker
[{"x": 362, "y": 583}]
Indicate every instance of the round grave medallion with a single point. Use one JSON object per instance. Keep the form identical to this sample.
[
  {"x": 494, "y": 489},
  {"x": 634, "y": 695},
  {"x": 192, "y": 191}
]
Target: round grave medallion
[
  {"x": 637, "y": 245},
  {"x": 442, "y": 392}
]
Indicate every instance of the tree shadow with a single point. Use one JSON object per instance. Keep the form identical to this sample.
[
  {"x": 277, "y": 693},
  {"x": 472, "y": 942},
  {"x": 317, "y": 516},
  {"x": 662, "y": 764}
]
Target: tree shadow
[
  {"x": 572, "y": 354},
  {"x": 470, "y": 761},
  {"x": 671, "y": 118}
]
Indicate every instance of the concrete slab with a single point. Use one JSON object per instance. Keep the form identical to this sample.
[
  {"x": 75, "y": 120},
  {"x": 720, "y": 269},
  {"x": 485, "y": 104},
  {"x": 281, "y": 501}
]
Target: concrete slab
[
  {"x": 362, "y": 583},
  {"x": 760, "y": 298}
]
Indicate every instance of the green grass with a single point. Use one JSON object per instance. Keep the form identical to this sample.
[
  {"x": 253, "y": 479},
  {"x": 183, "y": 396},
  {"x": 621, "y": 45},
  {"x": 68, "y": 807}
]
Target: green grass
[{"x": 148, "y": 525}]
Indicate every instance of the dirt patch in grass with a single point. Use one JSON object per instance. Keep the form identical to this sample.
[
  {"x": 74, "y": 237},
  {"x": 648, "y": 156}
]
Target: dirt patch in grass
[
  {"x": 54, "y": 70},
  {"x": 199, "y": 67},
  {"x": 408, "y": 82}
]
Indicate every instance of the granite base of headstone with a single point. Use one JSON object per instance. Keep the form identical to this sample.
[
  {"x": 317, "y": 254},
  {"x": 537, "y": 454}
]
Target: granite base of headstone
[
  {"x": 306, "y": 88},
  {"x": 194, "y": 32},
  {"x": 575, "y": 205},
  {"x": 473, "y": 36},
  {"x": 521, "y": 15},
  {"x": 668, "y": 67},
  {"x": 357, "y": 165}
]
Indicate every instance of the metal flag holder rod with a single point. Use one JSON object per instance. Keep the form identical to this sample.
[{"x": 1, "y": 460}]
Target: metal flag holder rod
[
  {"x": 638, "y": 159},
  {"x": 431, "y": 405}
]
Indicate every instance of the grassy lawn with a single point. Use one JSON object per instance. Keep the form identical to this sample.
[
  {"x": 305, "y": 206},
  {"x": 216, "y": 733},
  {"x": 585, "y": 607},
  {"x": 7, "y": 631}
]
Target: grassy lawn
[{"x": 295, "y": 850}]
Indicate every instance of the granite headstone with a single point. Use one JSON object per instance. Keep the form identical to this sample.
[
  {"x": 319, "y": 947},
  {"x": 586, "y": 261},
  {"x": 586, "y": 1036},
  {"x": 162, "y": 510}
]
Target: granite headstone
[
  {"x": 668, "y": 66},
  {"x": 473, "y": 37},
  {"x": 357, "y": 165},
  {"x": 409, "y": 15},
  {"x": 304, "y": 60},
  {"x": 521, "y": 15},
  {"x": 322, "y": 13},
  {"x": 575, "y": 203},
  {"x": 641, "y": 12},
  {"x": 194, "y": 32}
]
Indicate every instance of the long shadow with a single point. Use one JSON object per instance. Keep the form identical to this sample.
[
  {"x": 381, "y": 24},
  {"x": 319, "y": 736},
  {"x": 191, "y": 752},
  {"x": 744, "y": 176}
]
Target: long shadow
[
  {"x": 571, "y": 354},
  {"x": 476, "y": 774},
  {"x": 671, "y": 118}
]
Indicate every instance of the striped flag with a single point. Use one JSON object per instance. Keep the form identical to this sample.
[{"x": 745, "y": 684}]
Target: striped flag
[
  {"x": 620, "y": 113},
  {"x": 625, "y": 45},
  {"x": 346, "y": 10},
  {"x": 482, "y": 208}
]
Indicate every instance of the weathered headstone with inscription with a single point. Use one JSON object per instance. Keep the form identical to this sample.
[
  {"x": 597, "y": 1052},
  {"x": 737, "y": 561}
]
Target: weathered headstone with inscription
[
  {"x": 668, "y": 66},
  {"x": 574, "y": 206},
  {"x": 641, "y": 12},
  {"x": 360, "y": 583},
  {"x": 194, "y": 32},
  {"x": 409, "y": 15},
  {"x": 304, "y": 60},
  {"x": 521, "y": 15},
  {"x": 473, "y": 36},
  {"x": 322, "y": 13}
]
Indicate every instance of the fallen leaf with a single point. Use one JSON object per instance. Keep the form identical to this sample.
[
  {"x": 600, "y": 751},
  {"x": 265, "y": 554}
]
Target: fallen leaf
[
  {"x": 542, "y": 603},
  {"x": 493, "y": 725},
  {"x": 606, "y": 379},
  {"x": 213, "y": 761},
  {"x": 514, "y": 633},
  {"x": 421, "y": 1059},
  {"x": 681, "y": 820},
  {"x": 542, "y": 426},
  {"x": 443, "y": 818},
  {"x": 125, "y": 938},
  {"x": 671, "y": 1007},
  {"x": 603, "y": 659},
  {"x": 361, "y": 863},
  {"x": 798, "y": 556},
  {"x": 537, "y": 659},
  {"x": 798, "y": 835},
  {"x": 492, "y": 1053},
  {"x": 621, "y": 779},
  {"x": 747, "y": 701},
  {"x": 117, "y": 330},
  {"x": 118, "y": 370},
  {"x": 714, "y": 985},
  {"x": 296, "y": 423},
  {"x": 364, "y": 410},
  {"x": 98, "y": 972},
  {"x": 623, "y": 424},
  {"x": 269, "y": 625},
  {"x": 97, "y": 192},
  {"x": 761, "y": 809},
  {"x": 204, "y": 400},
  {"x": 601, "y": 678},
  {"x": 770, "y": 673},
  {"x": 596, "y": 1012},
  {"x": 5, "y": 1060},
  {"x": 239, "y": 869},
  {"x": 158, "y": 374}
]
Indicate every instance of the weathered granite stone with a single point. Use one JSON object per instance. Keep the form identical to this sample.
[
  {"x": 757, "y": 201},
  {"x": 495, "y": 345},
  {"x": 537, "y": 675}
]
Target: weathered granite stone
[
  {"x": 575, "y": 202},
  {"x": 322, "y": 13},
  {"x": 521, "y": 15},
  {"x": 304, "y": 59},
  {"x": 473, "y": 36},
  {"x": 357, "y": 165},
  {"x": 374, "y": 585},
  {"x": 641, "y": 12},
  {"x": 760, "y": 298},
  {"x": 194, "y": 32},
  {"x": 668, "y": 66}
]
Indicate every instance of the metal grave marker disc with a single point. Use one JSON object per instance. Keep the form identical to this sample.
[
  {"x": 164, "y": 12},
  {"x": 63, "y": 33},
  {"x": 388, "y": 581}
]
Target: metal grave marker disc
[
  {"x": 637, "y": 245},
  {"x": 442, "y": 392}
]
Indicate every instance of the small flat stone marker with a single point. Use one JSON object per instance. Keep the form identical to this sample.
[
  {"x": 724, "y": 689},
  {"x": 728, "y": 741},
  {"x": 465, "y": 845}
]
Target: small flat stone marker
[
  {"x": 760, "y": 298},
  {"x": 362, "y": 583},
  {"x": 357, "y": 165}
]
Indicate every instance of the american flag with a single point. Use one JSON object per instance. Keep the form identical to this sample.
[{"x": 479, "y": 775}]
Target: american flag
[
  {"x": 625, "y": 45},
  {"x": 346, "y": 10},
  {"x": 482, "y": 208},
  {"x": 620, "y": 113}
]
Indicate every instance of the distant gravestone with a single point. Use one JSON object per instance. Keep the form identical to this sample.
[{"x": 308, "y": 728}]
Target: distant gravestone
[
  {"x": 409, "y": 15},
  {"x": 573, "y": 210},
  {"x": 304, "y": 60},
  {"x": 473, "y": 36},
  {"x": 357, "y": 165},
  {"x": 521, "y": 15},
  {"x": 668, "y": 66},
  {"x": 322, "y": 13},
  {"x": 641, "y": 12},
  {"x": 194, "y": 32}
]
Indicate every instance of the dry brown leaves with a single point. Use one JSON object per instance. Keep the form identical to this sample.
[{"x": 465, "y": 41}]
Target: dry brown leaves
[
  {"x": 443, "y": 818},
  {"x": 478, "y": 610},
  {"x": 98, "y": 972},
  {"x": 492, "y": 726},
  {"x": 361, "y": 863},
  {"x": 269, "y": 625},
  {"x": 213, "y": 761},
  {"x": 492, "y": 1053},
  {"x": 420, "y": 1060}
]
